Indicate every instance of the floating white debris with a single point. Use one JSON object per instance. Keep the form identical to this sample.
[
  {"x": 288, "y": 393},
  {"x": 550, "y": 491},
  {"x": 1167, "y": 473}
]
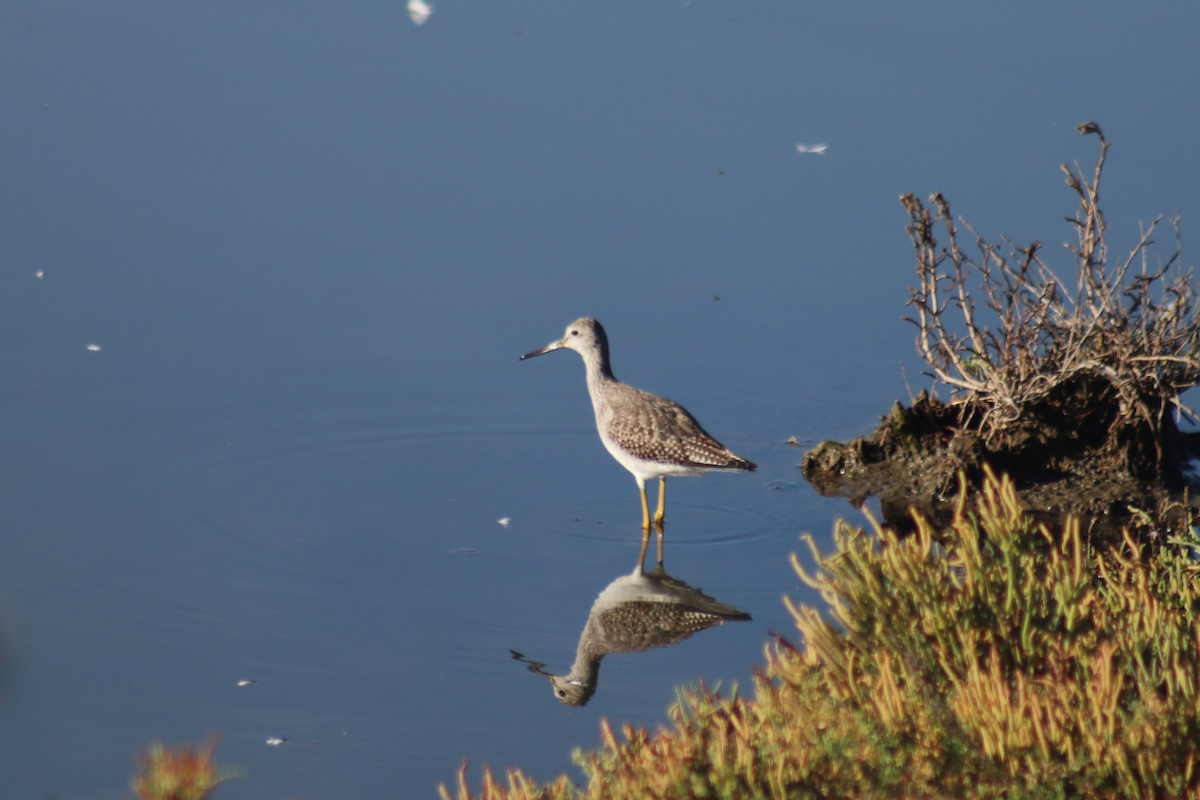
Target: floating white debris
[
  {"x": 95, "y": 348},
  {"x": 246, "y": 682},
  {"x": 819, "y": 149},
  {"x": 504, "y": 521},
  {"x": 275, "y": 741},
  {"x": 39, "y": 274},
  {"x": 419, "y": 10}
]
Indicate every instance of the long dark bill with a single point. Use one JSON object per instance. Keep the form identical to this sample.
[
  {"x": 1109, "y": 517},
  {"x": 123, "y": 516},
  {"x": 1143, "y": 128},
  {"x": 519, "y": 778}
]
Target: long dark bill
[{"x": 543, "y": 351}]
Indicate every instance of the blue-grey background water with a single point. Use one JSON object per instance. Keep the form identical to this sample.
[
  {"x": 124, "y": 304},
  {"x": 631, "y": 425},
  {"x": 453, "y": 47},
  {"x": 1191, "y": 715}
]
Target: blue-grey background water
[{"x": 310, "y": 241}]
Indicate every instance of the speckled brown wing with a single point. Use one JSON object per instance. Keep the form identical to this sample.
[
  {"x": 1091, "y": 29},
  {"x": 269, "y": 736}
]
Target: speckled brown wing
[
  {"x": 637, "y": 626},
  {"x": 656, "y": 429}
]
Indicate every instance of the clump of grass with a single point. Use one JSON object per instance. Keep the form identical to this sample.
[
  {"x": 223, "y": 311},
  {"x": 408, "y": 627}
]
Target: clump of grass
[
  {"x": 1020, "y": 341},
  {"x": 183, "y": 773},
  {"x": 991, "y": 659}
]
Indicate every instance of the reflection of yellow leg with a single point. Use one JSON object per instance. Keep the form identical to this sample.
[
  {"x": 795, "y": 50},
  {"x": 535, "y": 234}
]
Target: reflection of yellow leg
[
  {"x": 645, "y": 542},
  {"x": 662, "y": 500},
  {"x": 645, "y": 511},
  {"x": 659, "y": 528}
]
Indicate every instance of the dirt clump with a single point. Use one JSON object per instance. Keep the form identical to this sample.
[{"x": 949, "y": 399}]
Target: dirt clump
[{"x": 1068, "y": 455}]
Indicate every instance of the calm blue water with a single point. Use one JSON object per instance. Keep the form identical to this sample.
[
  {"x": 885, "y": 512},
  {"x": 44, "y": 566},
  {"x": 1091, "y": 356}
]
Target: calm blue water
[{"x": 310, "y": 241}]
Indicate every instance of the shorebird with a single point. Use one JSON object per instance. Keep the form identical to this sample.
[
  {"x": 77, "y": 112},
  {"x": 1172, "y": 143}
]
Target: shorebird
[{"x": 648, "y": 435}]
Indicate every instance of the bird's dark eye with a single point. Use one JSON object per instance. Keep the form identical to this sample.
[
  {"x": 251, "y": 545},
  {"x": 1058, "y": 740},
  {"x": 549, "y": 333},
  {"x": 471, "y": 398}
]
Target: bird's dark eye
[
  {"x": 561, "y": 693},
  {"x": 574, "y": 333}
]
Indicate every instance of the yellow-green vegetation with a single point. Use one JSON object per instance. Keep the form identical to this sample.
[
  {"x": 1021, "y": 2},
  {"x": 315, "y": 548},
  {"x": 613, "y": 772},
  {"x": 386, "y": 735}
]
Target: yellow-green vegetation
[
  {"x": 184, "y": 773},
  {"x": 993, "y": 659}
]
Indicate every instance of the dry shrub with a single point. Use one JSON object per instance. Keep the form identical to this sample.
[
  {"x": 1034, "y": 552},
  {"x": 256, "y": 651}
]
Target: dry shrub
[
  {"x": 1021, "y": 337},
  {"x": 991, "y": 659}
]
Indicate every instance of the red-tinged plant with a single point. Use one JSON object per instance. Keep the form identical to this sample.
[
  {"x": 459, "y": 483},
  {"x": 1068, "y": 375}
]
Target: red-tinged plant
[{"x": 182, "y": 773}]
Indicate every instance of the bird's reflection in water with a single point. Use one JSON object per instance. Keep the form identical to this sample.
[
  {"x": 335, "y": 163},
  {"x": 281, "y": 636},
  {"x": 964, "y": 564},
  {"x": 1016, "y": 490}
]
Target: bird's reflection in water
[{"x": 635, "y": 613}]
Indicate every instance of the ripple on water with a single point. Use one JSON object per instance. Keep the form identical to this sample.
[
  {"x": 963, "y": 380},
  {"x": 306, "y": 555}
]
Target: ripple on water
[
  {"x": 350, "y": 471},
  {"x": 718, "y": 525},
  {"x": 321, "y": 480}
]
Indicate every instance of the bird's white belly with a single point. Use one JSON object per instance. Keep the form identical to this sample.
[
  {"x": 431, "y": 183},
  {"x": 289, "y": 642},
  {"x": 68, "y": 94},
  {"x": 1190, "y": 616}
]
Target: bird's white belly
[{"x": 648, "y": 470}]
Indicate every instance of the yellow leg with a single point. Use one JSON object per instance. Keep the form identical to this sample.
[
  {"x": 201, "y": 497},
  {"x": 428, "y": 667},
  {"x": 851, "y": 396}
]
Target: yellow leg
[
  {"x": 662, "y": 502},
  {"x": 645, "y": 511},
  {"x": 645, "y": 543},
  {"x": 659, "y": 528}
]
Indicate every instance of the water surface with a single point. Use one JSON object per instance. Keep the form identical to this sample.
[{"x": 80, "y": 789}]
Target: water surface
[{"x": 310, "y": 241}]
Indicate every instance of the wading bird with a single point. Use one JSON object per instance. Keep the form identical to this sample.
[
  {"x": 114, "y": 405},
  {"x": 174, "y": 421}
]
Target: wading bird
[{"x": 648, "y": 435}]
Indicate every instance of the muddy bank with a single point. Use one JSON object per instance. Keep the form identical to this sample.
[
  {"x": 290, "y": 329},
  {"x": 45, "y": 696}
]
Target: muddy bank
[{"x": 1066, "y": 459}]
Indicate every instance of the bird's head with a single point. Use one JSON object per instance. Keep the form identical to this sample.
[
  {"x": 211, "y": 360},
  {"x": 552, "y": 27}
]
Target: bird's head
[
  {"x": 571, "y": 693},
  {"x": 585, "y": 336}
]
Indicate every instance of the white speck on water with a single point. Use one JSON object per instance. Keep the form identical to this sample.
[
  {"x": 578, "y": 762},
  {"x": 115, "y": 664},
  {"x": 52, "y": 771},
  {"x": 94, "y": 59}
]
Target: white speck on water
[
  {"x": 39, "y": 274},
  {"x": 275, "y": 741},
  {"x": 819, "y": 149},
  {"x": 95, "y": 348},
  {"x": 504, "y": 521},
  {"x": 246, "y": 682},
  {"x": 419, "y": 10}
]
